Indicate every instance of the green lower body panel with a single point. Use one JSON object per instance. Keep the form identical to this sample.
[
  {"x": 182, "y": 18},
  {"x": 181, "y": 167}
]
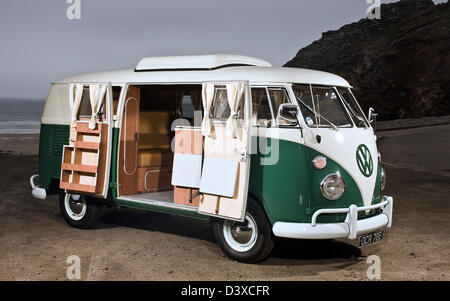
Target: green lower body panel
[
  {"x": 289, "y": 190},
  {"x": 51, "y": 143}
]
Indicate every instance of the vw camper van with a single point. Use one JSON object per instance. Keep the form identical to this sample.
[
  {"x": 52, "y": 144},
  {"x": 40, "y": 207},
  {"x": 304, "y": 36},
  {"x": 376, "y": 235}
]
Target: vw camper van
[{"x": 257, "y": 151}]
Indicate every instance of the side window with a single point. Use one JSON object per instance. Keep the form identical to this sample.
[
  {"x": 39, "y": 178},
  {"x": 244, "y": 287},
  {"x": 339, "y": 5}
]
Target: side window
[
  {"x": 116, "y": 96},
  {"x": 277, "y": 97},
  {"x": 85, "y": 110},
  {"x": 261, "y": 111},
  {"x": 220, "y": 109}
]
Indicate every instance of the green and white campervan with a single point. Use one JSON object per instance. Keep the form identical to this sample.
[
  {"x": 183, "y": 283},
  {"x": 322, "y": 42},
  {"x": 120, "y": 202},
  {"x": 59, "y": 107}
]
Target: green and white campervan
[{"x": 260, "y": 152}]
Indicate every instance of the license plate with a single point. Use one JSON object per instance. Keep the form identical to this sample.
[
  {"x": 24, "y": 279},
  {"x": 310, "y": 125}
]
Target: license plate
[{"x": 370, "y": 238}]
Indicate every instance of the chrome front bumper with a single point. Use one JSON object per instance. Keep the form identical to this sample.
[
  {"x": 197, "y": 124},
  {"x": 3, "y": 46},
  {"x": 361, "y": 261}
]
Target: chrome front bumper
[{"x": 350, "y": 228}]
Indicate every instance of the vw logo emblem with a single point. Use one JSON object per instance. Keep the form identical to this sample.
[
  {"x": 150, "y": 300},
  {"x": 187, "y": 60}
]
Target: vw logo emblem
[{"x": 364, "y": 160}]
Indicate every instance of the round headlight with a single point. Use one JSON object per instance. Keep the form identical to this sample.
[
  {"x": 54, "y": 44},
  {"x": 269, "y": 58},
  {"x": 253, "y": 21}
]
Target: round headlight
[
  {"x": 383, "y": 179},
  {"x": 319, "y": 162},
  {"x": 332, "y": 187}
]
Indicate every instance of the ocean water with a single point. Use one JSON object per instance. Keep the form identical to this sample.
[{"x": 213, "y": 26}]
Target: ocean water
[{"x": 20, "y": 116}]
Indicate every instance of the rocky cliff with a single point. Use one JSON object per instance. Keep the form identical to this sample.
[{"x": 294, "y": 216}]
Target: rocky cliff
[{"x": 399, "y": 64}]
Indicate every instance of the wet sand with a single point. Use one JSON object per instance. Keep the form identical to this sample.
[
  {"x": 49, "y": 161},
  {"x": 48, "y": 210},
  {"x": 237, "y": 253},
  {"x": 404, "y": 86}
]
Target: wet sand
[{"x": 135, "y": 245}]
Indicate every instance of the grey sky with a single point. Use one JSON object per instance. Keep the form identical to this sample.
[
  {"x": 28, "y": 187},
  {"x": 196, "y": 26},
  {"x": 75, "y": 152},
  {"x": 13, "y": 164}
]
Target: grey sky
[{"x": 40, "y": 45}]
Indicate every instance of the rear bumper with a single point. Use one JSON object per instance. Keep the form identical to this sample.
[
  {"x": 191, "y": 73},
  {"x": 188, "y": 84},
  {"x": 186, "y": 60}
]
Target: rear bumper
[
  {"x": 350, "y": 228},
  {"x": 37, "y": 192}
]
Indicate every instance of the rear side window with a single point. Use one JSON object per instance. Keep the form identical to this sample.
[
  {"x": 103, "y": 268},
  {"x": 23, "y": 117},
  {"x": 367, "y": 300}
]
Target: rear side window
[
  {"x": 85, "y": 105},
  {"x": 116, "y": 96},
  {"x": 85, "y": 110}
]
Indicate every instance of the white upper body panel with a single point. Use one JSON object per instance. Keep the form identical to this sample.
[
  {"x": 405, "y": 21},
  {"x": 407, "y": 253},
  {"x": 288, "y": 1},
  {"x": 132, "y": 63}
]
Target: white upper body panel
[
  {"x": 253, "y": 74},
  {"x": 185, "y": 70}
]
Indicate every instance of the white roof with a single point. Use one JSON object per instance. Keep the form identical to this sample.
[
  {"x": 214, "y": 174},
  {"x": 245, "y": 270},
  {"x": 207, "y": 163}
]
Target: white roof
[
  {"x": 198, "y": 62},
  {"x": 253, "y": 74}
]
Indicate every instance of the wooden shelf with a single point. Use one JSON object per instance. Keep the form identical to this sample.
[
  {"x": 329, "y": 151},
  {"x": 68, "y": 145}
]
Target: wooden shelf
[
  {"x": 79, "y": 167},
  {"x": 87, "y": 145},
  {"x": 82, "y": 162},
  {"x": 77, "y": 187},
  {"x": 84, "y": 128}
]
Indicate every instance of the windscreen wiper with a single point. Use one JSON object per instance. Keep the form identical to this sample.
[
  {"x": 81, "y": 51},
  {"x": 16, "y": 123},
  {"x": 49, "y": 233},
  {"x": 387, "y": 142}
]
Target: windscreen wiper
[{"x": 361, "y": 120}]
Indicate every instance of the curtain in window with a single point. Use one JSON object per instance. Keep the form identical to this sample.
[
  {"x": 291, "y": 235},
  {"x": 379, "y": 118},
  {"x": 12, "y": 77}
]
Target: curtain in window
[
  {"x": 207, "y": 99},
  {"x": 75, "y": 95},
  {"x": 96, "y": 95},
  {"x": 234, "y": 92}
]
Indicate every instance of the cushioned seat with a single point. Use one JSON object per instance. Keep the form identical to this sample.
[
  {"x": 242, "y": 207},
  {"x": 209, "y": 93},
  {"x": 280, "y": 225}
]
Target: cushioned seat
[
  {"x": 154, "y": 139},
  {"x": 155, "y": 157},
  {"x": 149, "y": 141}
]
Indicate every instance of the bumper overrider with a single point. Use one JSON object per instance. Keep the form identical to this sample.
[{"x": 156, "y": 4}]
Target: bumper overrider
[
  {"x": 36, "y": 191},
  {"x": 350, "y": 228}
]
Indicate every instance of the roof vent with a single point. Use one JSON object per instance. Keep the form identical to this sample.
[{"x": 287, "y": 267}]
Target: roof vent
[{"x": 198, "y": 62}]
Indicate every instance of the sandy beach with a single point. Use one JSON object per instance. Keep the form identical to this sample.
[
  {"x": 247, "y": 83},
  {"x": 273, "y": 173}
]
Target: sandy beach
[{"x": 19, "y": 144}]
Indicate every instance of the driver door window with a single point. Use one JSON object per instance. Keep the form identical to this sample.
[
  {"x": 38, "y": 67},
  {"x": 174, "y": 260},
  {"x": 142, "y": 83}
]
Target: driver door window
[
  {"x": 266, "y": 102},
  {"x": 278, "y": 96}
]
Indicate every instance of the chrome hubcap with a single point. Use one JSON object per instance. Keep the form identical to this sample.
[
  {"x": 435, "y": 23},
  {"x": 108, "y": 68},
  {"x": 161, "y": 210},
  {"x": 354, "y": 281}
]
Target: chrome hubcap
[
  {"x": 241, "y": 236},
  {"x": 75, "y": 206}
]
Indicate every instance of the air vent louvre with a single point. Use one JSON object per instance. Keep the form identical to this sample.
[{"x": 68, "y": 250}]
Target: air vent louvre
[{"x": 59, "y": 138}]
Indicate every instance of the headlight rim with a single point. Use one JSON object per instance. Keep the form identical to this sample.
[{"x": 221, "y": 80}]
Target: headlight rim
[{"x": 322, "y": 185}]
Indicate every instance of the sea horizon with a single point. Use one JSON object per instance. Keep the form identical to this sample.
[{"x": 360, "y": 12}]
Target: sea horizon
[{"x": 20, "y": 115}]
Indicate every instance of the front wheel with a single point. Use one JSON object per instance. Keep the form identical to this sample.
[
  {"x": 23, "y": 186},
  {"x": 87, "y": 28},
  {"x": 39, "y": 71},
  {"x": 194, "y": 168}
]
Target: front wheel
[
  {"x": 79, "y": 211},
  {"x": 250, "y": 241}
]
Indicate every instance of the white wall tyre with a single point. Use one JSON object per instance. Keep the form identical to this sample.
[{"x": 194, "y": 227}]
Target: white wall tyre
[
  {"x": 79, "y": 211},
  {"x": 250, "y": 241}
]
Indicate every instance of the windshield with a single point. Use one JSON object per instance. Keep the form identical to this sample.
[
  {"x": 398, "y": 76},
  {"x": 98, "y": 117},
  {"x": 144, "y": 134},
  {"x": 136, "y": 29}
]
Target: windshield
[
  {"x": 326, "y": 110},
  {"x": 354, "y": 109}
]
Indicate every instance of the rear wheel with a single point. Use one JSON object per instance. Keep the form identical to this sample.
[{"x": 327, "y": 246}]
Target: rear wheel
[
  {"x": 79, "y": 211},
  {"x": 250, "y": 241}
]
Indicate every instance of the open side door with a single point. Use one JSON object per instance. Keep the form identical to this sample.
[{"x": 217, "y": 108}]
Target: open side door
[
  {"x": 85, "y": 162},
  {"x": 227, "y": 141},
  {"x": 128, "y": 143}
]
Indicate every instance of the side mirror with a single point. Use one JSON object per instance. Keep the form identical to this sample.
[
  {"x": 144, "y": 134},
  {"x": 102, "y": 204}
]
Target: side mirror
[
  {"x": 288, "y": 112},
  {"x": 371, "y": 116}
]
